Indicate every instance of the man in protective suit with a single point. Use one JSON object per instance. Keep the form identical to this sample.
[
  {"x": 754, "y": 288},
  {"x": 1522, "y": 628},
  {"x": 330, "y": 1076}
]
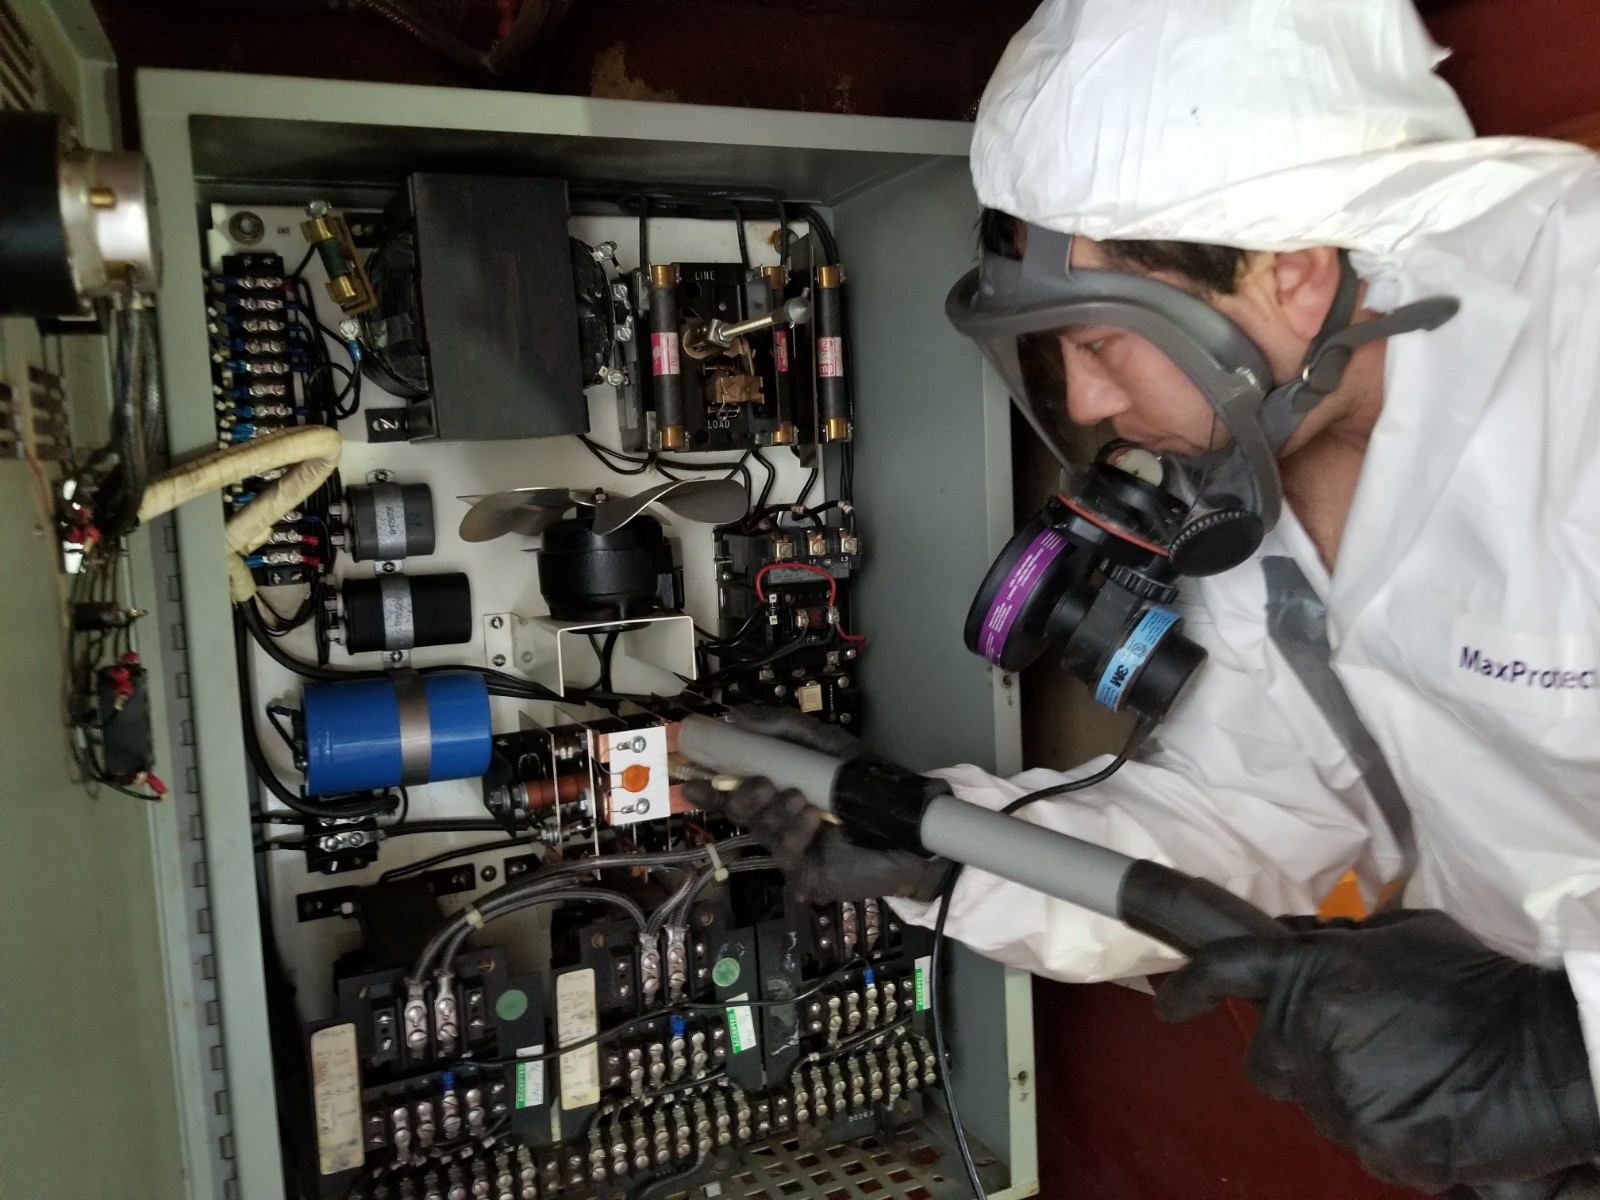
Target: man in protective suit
[{"x": 1404, "y": 649}]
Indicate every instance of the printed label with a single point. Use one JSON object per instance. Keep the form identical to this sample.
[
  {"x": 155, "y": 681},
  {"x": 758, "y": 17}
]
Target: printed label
[
  {"x": 780, "y": 349},
  {"x": 663, "y": 354},
  {"x": 741, "y": 1026},
  {"x": 830, "y": 357},
  {"x": 924, "y": 967},
  {"x": 1539, "y": 673},
  {"x": 336, "y": 1093},
  {"x": 576, "y": 1021},
  {"x": 1130, "y": 657},
  {"x": 530, "y": 1078}
]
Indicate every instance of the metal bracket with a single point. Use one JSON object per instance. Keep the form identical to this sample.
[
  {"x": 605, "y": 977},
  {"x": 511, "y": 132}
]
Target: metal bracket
[
  {"x": 447, "y": 881},
  {"x": 651, "y": 653},
  {"x": 330, "y": 902}
]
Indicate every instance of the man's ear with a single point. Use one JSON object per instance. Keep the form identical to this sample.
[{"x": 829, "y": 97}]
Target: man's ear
[{"x": 1305, "y": 283}]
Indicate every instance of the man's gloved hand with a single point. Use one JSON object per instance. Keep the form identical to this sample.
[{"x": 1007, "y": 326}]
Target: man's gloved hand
[
  {"x": 822, "y": 864},
  {"x": 1437, "y": 1060}
]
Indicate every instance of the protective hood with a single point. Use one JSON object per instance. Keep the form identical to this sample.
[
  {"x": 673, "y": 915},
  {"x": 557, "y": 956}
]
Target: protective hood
[{"x": 1263, "y": 124}]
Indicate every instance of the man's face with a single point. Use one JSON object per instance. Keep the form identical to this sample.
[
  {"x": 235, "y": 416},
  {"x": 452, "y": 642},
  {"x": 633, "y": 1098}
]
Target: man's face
[{"x": 1116, "y": 375}]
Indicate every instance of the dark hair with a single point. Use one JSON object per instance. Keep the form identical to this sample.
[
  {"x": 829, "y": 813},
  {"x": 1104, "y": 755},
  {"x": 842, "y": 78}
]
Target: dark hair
[
  {"x": 1210, "y": 268},
  {"x": 1213, "y": 268}
]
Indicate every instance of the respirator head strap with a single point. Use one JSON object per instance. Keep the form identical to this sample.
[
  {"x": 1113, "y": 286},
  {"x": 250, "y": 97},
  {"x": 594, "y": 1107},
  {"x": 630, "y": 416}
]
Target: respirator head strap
[{"x": 1336, "y": 342}]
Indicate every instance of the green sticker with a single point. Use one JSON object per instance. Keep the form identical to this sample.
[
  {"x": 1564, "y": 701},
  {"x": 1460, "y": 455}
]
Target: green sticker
[
  {"x": 726, "y": 972},
  {"x": 530, "y": 1082},
  {"x": 741, "y": 1026},
  {"x": 512, "y": 1004},
  {"x": 924, "y": 966}
]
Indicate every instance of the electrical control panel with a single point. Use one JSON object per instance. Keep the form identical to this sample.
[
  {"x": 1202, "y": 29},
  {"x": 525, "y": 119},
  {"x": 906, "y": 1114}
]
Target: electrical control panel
[
  {"x": 521, "y": 962},
  {"x": 594, "y": 417}
]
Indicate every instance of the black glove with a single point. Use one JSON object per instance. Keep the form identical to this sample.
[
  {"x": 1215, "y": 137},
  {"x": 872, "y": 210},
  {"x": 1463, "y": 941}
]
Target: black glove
[
  {"x": 1437, "y": 1060},
  {"x": 823, "y": 865}
]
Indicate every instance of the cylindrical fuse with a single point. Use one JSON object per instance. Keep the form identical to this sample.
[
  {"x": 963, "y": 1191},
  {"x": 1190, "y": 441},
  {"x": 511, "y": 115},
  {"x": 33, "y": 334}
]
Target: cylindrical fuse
[
  {"x": 833, "y": 405},
  {"x": 399, "y": 612},
  {"x": 782, "y": 365},
  {"x": 665, "y": 369}
]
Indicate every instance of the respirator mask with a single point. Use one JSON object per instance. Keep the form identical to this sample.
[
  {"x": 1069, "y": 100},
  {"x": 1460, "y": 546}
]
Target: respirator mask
[{"x": 1096, "y": 571}]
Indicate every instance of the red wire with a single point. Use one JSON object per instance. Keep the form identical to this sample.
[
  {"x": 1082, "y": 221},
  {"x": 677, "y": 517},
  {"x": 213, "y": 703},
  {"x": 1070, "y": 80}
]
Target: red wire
[
  {"x": 833, "y": 584},
  {"x": 833, "y": 590}
]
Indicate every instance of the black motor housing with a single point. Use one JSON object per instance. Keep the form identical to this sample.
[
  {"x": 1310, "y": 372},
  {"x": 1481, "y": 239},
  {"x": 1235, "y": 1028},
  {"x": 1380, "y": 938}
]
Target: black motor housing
[{"x": 589, "y": 576}]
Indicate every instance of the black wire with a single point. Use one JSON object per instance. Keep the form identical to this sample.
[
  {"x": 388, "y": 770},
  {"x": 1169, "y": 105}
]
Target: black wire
[
  {"x": 459, "y": 852},
  {"x": 639, "y": 467},
  {"x": 274, "y": 711},
  {"x": 811, "y": 482},
  {"x": 497, "y": 682},
  {"x": 772, "y": 478},
  {"x": 936, "y": 972},
  {"x": 738, "y": 224}
]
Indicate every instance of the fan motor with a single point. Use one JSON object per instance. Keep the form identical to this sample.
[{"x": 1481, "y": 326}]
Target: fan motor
[{"x": 616, "y": 576}]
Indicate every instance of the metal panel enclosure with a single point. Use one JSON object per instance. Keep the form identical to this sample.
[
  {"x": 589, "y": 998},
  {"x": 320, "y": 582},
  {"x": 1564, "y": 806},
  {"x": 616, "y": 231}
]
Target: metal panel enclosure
[{"x": 933, "y": 446}]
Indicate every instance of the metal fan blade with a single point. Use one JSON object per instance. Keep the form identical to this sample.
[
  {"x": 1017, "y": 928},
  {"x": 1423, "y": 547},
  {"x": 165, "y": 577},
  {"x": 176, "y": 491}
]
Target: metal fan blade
[
  {"x": 528, "y": 511},
  {"x": 714, "y": 500}
]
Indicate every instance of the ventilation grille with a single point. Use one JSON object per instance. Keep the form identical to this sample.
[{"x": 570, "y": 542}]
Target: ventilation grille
[{"x": 18, "y": 77}]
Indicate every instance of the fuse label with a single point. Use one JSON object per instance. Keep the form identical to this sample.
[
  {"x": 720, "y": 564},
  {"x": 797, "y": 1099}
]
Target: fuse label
[
  {"x": 336, "y": 1093},
  {"x": 577, "y": 1021},
  {"x": 830, "y": 357}
]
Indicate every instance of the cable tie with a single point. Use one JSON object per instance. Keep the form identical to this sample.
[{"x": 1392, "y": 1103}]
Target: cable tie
[
  {"x": 473, "y": 916},
  {"x": 719, "y": 872}
]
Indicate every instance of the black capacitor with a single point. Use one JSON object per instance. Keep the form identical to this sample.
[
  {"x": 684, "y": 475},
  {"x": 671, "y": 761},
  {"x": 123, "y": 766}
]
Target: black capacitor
[
  {"x": 37, "y": 280},
  {"x": 398, "y": 612},
  {"x": 666, "y": 373},
  {"x": 833, "y": 404},
  {"x": 390, "y": 521},
  {"x": 589, "y": 576}
]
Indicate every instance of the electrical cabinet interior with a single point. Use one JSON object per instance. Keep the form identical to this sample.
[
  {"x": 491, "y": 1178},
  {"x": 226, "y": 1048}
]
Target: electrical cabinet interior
[{"x": 469, "y": 938}]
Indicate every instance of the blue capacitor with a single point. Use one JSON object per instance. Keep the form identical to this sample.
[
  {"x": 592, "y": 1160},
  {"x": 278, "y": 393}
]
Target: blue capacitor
[{"x": 403, "y": 729}]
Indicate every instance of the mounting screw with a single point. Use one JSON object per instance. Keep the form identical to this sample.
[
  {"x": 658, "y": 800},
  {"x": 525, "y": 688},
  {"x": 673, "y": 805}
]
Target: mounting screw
[
  {"x": 497, "y": 622},
  {"x": 394, "y": 656},
  {"x": 598, "y": 941},
  {"x": 318, "y": 208},
  {"x": 499, "y": 660},
  {"x": 527, "y": 656},
  {"x": 487, "y": 874},
  {"x": 380, "y": 476},
  {"x": 388, "y": 568}
]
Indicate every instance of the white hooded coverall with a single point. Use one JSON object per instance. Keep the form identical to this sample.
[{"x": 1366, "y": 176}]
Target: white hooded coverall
[{"x": 1464, "y": 607}]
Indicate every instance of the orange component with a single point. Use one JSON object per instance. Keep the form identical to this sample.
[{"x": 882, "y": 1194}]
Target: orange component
[
  {"x": 1343, "y": 901},
  {"x": 636, "y": 778}
]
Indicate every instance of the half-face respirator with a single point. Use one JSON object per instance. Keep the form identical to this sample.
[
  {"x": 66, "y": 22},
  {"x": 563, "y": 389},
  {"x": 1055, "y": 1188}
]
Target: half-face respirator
[{"x": 1095, "y": 572}]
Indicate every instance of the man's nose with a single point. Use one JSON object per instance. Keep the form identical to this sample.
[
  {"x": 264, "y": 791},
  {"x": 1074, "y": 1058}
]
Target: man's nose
[{"x": 1092, "y": 395}]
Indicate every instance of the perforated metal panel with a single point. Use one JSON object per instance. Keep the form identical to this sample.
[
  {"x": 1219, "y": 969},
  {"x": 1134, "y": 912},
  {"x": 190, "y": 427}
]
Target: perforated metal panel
[
  {"x": 19, "y": 71},
  {"x": 915, "y": 1163}
]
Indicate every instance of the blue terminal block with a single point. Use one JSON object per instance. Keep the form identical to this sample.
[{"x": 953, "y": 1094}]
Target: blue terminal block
[{"x": 404, "y": 729}]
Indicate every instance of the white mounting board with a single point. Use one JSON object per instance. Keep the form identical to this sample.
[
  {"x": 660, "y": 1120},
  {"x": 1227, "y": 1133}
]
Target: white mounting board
[{"x": 503, "y": 574}]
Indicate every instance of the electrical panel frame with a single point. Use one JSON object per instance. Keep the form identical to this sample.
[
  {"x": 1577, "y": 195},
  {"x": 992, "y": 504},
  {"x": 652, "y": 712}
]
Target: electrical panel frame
[{"x": 933, "y": 464}]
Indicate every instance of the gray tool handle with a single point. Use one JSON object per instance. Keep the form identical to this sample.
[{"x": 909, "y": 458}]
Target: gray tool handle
[
  {"x": 1168, "y": 905},
  {"x": 733, "y": 751}
]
